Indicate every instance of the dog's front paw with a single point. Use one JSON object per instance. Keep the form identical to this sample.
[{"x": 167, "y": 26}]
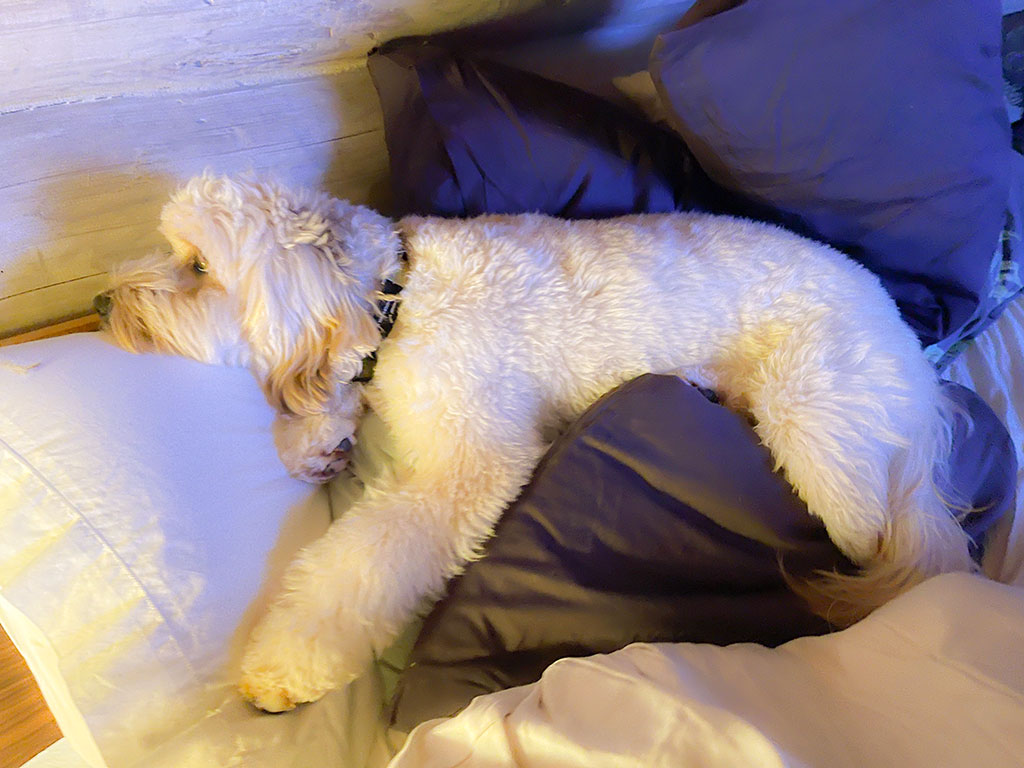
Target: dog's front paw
[
  {"x": 314, "y": 448},
  {"x": 266, "y": 694},
  {"x": 291, "y": 660},
  {"x": 326, "y": 464}
]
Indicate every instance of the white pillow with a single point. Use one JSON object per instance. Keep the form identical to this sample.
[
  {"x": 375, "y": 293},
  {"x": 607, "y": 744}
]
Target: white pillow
[
  {"x": 932, "y": 679},
  {"x": 144, "y": 519}
]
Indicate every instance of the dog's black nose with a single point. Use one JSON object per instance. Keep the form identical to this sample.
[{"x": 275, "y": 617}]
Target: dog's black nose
[{"x": 102, "y": 303}]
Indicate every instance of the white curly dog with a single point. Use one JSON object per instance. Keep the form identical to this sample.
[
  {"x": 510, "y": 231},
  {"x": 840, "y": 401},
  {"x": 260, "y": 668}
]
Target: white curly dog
[{"x": 510, "y": 326}]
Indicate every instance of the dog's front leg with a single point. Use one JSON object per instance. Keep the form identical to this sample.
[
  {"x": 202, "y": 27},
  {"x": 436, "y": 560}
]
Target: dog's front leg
[{"x": 349, "y": 594}]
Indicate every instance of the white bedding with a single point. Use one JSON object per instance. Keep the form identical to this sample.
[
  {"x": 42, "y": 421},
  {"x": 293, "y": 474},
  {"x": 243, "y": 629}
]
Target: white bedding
[
  {"x": 137, "y": 543},
  {"x": 935, "y": 678},
  {"x": 993, "y": 366},
  {"x": 144, "y": 517}
]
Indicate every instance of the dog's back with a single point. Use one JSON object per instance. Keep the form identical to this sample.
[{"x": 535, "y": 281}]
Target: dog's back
[
  {"x": 794, "y": 332},
  {"x": 508, "y": 325}
]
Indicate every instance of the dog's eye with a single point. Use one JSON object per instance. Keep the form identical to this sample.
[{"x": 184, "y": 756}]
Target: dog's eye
[{"x": 199, "y": 266}]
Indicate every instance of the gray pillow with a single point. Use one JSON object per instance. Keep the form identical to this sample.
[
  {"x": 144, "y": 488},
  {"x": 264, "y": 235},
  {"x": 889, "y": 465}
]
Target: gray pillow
[{"x": 656, "y": 517}]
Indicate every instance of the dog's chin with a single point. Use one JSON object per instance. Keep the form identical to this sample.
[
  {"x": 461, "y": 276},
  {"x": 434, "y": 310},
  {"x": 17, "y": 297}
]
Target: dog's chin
[
  {"x": 127, "y": 334},
  {"x": 133, "y": 333}
]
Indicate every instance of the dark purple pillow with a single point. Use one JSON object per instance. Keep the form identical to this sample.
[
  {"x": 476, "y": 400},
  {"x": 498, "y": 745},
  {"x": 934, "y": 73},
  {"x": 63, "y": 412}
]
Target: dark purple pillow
[
  {"x": 467, "y": 136},
  {"x": 656, "y": 517},
  {"x": 879, "y": 125}
]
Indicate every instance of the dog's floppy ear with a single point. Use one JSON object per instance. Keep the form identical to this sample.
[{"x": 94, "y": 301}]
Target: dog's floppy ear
[
  {"x": 311, "y": 308},
  {"x": 321, "y": 357}
]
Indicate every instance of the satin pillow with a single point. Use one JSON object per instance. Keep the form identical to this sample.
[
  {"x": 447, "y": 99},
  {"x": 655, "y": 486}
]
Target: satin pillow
[{"x": 467, "y": 136}]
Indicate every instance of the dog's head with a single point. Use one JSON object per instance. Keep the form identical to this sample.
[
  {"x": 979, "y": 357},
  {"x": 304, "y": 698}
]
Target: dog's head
[{"x": 282, "y": 281}]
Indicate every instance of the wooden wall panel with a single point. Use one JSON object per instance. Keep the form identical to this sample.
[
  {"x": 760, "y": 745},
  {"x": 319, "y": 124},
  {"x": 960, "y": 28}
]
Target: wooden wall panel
[
  {"x": 56, "y": 51},
  {"x": 94, "y": 196},
  {"x": 107, "y": 105}
]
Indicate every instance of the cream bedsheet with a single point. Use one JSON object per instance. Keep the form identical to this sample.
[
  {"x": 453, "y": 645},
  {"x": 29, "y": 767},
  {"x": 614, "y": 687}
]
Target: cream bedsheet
[
  {"x": 133, "y": 559},
  {"x": 935, "y": 678},
  {"x": 144, "y": 519}
]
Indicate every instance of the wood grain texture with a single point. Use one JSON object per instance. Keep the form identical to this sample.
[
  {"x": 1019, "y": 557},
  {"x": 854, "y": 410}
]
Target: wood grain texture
[
  {"x": 107, "y": 105},
  {"x": 79, "y": 50},
  {"x": 26, "y": 725},
  {"x": 93, "y": 200},
  {"x": 84, "y": 324}
]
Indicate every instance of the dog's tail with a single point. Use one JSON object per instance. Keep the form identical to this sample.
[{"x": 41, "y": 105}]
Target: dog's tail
[{"x": 923, "y": 536}]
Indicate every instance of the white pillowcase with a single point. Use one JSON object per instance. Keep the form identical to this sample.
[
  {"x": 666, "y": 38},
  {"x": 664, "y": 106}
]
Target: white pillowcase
[{"x": 144, "y": 520}]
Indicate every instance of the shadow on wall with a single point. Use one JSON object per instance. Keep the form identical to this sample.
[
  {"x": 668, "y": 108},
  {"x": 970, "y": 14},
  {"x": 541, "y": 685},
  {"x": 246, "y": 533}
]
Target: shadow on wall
[
  {"x": 85, "y": 221},
  {"x": 356, "y": 167}
]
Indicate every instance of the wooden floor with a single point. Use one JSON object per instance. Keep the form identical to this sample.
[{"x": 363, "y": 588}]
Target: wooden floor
[{"x": 26, "y": 725}]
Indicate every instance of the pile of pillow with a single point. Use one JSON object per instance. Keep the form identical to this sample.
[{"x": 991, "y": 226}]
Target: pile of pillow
[
  {"x": 880, "y": 128},
  {"x": 877, "y": 127}
]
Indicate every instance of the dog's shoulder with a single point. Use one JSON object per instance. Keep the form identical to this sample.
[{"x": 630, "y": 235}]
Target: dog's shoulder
[
  {"x": 418, "y": 227},
  {"x": 454, "y": 243}
]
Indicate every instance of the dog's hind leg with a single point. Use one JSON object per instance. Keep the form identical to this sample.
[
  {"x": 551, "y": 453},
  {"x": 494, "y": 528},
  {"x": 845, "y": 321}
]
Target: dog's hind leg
[
  {"x": 351, "y": 592},
  {"x": 859, "y": 428}
]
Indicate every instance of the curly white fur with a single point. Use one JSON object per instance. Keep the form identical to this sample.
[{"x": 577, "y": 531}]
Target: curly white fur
[{"x": 512, "y": 324}]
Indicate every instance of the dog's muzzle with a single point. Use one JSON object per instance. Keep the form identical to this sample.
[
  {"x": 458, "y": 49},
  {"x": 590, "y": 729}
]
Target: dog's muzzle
[{"x": 101, "y": 303}]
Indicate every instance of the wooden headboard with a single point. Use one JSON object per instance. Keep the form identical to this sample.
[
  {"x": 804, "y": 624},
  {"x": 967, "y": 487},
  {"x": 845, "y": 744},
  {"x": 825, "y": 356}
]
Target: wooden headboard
[{"x": 90, "y": 322}]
